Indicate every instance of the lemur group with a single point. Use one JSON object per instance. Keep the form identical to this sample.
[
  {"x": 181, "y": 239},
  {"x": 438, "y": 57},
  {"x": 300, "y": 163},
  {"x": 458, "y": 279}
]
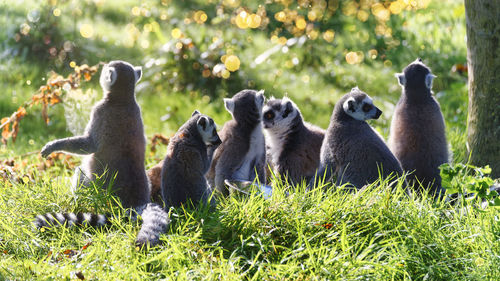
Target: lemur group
[{"x": 262, "y": 138}]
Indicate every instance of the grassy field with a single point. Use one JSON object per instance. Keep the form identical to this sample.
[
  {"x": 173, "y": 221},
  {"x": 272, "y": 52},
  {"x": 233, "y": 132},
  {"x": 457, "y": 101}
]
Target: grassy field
[{"x": 376, "y": 234}]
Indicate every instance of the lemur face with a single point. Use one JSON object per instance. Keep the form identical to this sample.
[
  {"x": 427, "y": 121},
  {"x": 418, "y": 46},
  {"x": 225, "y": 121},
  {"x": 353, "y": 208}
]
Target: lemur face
[
  {"x": 278, "y": 113},
  {"x": 207, "y": 129},
  {"x": 119, "y": 74},
  {"x": 360, "y": 106}
]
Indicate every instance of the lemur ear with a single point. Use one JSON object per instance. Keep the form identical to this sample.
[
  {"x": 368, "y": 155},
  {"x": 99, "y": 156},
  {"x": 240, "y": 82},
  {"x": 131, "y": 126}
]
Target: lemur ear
[
  {"x": 288, "y": 109},
  {"x": 355, "y": 89},
  {"x": 260, "y": 96},
  {"x": 203, "y": 122},
  {"x": 260, "y": 93},
  {"x": 351, "y": 105},
  {"x": 196, "y": 112},
  {"x": 428, "y": 80},
  {"x": 138, "y": 73},
  {"x": 229, "y": 104},
  {"x": 401, "y": 78}
]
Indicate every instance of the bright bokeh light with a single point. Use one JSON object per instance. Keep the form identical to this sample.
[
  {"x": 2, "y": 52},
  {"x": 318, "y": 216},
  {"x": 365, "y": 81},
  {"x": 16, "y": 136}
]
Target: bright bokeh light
[
  {"x": 254, "y": 21},
  {"x": 176, "y": 33},
  {"x": 354, "y": 57},
  {"x": 329, "y": 35},
  {"x": 136, "y": 11},
  {"x": 200, "y": 17},
  {"x": 232, "y": 63},
  {"x": 301, "y": 23},
  {"x": 86, "y": 30}
]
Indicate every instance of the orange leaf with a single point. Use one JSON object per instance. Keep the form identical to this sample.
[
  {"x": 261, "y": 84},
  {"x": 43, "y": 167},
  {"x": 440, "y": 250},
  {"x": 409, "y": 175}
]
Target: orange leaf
[
  {"x": 327, "y": 225},
  {"x": 21, "y": 112},
  {"x": 15, "y": 129},
  {"x": 87, "y": 76},
  {"x": 6, "y": 129},
  {"x": 44, "y": 113},
  {"x": 86, "y": 246},
  {"x": 54, "y": 100}
]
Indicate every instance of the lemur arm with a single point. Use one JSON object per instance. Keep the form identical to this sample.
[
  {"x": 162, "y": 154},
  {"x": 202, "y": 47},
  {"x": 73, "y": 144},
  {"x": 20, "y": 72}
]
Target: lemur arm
[
  {"x": 78, "y": 144},
  {"x": 260, "y": 169}
]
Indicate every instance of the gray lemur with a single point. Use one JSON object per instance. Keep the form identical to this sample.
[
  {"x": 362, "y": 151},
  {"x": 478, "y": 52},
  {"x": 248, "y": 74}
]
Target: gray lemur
[
  {"x": 114, "y": 144},
  {"x": 187, "y": 161},
  {"x": 182, "y": 172},
  {"x": 352, "y": 150},
  {"x": 242, "y": 155},
  {"x": 417, "y": 136},
  {"x": 293, "y": 145},
  {"x": 113, "y": 140}
]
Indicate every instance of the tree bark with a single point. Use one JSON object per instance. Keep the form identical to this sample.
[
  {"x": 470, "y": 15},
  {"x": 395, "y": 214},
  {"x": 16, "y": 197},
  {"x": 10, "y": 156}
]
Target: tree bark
[{"x": 483, "y": 60}]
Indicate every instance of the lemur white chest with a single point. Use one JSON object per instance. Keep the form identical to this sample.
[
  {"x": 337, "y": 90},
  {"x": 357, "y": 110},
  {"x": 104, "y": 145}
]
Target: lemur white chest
[
  {"x": 275, "y": 139},
  {"x": 255, "y": 152}
]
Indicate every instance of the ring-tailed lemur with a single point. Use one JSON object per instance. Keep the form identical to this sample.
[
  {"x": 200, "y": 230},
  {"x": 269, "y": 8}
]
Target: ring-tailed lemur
[
  {"x": 241, "y": 156},
  {"x": 114, "y": 142},
  {"x": 293, "y": 145},
  {"x": 186, "y": 163},
  {"x": 352, "y": 150},
  {"x": 183, "y": 171},
  {"x": 417, "y": 136}
]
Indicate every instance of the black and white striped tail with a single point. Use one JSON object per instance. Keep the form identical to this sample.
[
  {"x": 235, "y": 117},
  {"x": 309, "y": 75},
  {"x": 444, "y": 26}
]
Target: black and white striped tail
[
  {"x": 70, "y": 219},
  {"x": 154, "y": 222}
]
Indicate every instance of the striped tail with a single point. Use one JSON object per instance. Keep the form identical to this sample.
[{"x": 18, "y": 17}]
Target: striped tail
[
  {"x": 70, "y": 219},
  {"x": 154, "y": 222}
]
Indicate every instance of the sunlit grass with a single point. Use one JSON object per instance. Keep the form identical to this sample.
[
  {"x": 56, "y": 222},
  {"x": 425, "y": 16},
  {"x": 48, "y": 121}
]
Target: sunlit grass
[{"x": 377, "y": 233}]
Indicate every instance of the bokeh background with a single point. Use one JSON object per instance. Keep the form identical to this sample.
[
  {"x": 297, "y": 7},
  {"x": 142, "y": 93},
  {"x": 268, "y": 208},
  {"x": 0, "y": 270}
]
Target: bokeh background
[{"x": 194, "y": 53}]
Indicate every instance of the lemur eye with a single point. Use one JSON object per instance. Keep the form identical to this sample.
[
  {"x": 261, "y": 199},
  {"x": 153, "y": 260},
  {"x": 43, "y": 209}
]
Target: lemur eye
[
  {"x": 269, "y": 115},
  {"x": 214, "y": 132},
  {"x": 367, "y": 107}
]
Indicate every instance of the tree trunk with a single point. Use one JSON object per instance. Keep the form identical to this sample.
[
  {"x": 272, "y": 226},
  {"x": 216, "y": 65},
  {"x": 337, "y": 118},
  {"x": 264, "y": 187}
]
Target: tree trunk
[{"x": 483, "y": 60}]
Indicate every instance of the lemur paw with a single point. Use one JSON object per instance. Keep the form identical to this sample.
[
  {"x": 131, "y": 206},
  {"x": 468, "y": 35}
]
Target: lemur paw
[{"x": 46, "y": 150}]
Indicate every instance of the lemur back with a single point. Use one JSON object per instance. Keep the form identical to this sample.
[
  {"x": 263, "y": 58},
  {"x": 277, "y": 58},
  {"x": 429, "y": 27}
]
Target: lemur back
[
  {"x": 293, "y": 145},
  {"x": 352, "y": 150},
  {"x": 417, "y": 136},
  {"x": 242, "y": 152},
  {"x": 186, "y": 163}
]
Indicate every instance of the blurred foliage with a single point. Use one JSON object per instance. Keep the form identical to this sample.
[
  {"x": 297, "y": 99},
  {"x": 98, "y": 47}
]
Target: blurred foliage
[
  {"x": 195, "y": 52},
  {"x": 39, "y": 37},
  {"x": 186, "y": 43},
  {"x": 466, "y": 179},
  {"x": 47, "y": 95}
]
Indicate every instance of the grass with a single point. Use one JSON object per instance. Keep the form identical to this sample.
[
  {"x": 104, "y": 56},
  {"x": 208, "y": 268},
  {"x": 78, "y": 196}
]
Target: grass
[
  {"x": 377, "y": 233},
  {"x": 326, "y": 233}
]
